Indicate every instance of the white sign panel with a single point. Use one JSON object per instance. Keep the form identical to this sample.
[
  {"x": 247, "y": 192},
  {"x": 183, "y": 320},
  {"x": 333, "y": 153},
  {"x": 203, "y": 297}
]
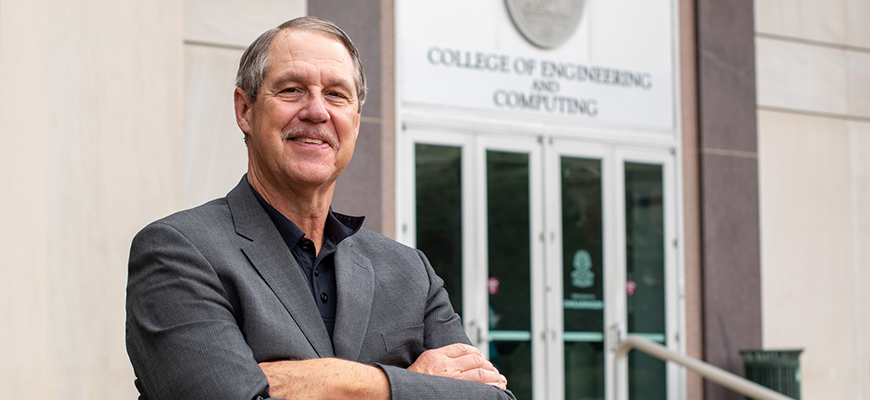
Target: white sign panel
[{"x": 535, "y": 86}]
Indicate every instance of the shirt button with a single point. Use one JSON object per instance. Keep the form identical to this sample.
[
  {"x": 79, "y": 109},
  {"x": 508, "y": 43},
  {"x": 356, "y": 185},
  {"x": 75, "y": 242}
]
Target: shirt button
[
  {"x": 316, "y": 272},
  {"x": 305, "y": 246},
  {"x": 324, "y": 297}
]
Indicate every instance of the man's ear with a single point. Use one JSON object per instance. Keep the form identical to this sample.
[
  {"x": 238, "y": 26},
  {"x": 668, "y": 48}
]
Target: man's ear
[
  {"x": 243, "y": 110},
  {"x": 356, "y": 128},
  {"x": 358, "y": 120}
]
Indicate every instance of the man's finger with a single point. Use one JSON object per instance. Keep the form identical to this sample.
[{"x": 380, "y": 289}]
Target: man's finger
[
  {"x": 470, "y": 362},
  {"x": 502, "y": 383},
  {"x": 486, "y": 376},
  {"x": 458, "y": 350}
]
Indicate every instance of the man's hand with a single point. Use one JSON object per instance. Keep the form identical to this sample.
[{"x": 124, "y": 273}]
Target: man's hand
[
  {"x": 325, "y": 378},
  {"x": 459, "y": 361}
]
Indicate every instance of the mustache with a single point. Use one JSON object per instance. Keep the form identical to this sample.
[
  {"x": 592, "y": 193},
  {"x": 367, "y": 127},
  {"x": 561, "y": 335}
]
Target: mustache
[{"x": 319, "y": 134}]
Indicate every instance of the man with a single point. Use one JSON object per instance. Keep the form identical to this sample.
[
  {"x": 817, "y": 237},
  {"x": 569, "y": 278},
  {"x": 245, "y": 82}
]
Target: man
[{"x": 267, "y": 292}]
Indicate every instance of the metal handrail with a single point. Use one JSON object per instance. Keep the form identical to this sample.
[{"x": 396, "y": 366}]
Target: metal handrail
[{"x": 736, "y": 383}]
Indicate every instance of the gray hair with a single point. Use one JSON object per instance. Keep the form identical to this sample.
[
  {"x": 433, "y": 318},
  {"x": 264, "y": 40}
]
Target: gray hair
[{"x": 255, "y": 61}]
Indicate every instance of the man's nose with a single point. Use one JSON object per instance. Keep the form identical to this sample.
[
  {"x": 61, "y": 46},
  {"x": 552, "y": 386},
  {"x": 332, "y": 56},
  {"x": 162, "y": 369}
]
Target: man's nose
[{"x": 315, "y": 109}]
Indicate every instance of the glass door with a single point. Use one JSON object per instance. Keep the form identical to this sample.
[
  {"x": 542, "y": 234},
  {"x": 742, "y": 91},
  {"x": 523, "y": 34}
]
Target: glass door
[
  {"x": 551, "y": 251},
  {"x": 478, "y": 217},
  {"x": 613, "y": 239},
  {"x": 648, "y": 246},
  {"x": 509, "y": 201},
  {"x": 578, "y": 224}
]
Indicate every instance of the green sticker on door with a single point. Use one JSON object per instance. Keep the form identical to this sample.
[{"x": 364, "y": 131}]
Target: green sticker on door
[{"x": 582, "y": 277}]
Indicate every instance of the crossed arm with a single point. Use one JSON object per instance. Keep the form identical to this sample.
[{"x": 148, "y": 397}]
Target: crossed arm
[
  {"x": 329, "y": 378},
  {"x": 184, "y": 341}
]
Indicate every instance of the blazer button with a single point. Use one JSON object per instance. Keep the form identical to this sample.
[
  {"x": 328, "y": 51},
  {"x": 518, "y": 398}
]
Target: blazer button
[{"x": 324, "y": 297}]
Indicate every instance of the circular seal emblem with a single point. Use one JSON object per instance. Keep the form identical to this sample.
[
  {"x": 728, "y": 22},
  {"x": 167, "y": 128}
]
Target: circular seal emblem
[{"x": 546, "y": 23}]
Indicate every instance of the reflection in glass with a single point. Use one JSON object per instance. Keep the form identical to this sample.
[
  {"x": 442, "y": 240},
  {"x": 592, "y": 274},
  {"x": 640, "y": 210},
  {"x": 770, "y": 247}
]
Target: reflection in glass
[
  {"x": 439, "y": 214},
  {"x": 514, "y": 361},
  {"x": 509, "y": 252},
  {"x": 584, "y": 370},
  {"x": 583, "y": 278},
  {"x": 645, "y": 275}
]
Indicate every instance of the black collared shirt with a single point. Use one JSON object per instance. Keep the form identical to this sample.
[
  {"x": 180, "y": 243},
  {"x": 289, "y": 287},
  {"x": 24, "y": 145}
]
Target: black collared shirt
[{"x": 318, "y": 269}]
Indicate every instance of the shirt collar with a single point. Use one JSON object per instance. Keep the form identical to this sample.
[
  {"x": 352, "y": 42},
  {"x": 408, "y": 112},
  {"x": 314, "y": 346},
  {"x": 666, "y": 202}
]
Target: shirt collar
[{"x": 338, "y": 226}]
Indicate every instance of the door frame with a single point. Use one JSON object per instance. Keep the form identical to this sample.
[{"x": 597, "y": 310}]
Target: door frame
[{"x": 545, "y": 153}]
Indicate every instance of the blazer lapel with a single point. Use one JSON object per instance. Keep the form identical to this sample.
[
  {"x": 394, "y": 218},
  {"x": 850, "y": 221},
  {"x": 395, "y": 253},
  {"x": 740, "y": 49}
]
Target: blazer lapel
[
  {"x": 273, "y": 260},
  {"x": 355, "y": 281}
]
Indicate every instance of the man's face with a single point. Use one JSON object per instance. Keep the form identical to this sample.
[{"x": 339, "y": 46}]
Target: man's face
[{"x": 303, "y": 126}]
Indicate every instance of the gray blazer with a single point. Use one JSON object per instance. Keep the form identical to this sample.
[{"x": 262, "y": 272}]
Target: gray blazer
[{"x": 214, "y": 290}]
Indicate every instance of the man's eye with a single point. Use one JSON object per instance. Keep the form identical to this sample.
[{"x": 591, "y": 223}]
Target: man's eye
[{"x": 290, "y": 90}]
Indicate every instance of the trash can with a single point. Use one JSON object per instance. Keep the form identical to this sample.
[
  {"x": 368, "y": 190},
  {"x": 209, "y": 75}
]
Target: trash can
[{"x": 779, "y": 370}]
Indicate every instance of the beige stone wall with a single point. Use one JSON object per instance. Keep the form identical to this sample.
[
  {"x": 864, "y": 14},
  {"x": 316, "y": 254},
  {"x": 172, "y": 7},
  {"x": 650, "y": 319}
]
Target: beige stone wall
[
  {"x": 813, "y": 74},
  {"x": 90, "y": 115},
  {"x": 112, "y": 114}
]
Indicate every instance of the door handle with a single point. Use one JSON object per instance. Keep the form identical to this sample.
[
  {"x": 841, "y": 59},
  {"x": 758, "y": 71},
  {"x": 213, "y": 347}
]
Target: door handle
[
  {"x": 481, "y": 338},
  {"x": 614, "y": 336}
]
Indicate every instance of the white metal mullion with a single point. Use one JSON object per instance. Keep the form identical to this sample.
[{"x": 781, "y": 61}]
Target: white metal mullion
[
  {"x": 673, "y": 282},
  {"x": 615, "y": 231},
  {"x": 673, "y": 278},
  {"x": 480, "y": 271},
  {"x": 555, "y": 350},
  {"x": 406, "y": 221},
  {"x": 540, "y": 334},
  {"x": 471, "y": 284}
]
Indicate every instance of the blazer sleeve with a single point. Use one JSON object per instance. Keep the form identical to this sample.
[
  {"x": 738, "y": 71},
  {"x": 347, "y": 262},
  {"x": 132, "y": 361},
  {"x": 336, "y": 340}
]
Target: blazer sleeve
[
  {"x": 442, "y": 327},
  {"x": 407, "y": 385},
  {"x": 182, "y": 337}
]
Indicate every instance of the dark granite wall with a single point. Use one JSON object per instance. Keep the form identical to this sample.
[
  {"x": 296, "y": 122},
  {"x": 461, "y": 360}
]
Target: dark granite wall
[
  {"x": 728, "y": 185},
  {"x": 366, "y": 186}
]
